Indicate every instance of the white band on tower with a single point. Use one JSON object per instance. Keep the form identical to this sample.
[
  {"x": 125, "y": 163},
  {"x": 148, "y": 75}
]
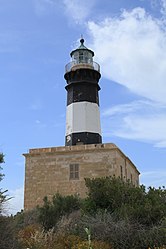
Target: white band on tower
[{"x": 83, "y": 117}]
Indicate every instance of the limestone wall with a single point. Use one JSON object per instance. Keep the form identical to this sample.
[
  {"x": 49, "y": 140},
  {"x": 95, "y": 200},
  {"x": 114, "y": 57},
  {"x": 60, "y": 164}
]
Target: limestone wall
[{"x": 48, "y": 170}]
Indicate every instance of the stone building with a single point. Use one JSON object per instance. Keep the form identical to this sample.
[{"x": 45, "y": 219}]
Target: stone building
[{"x": 63, "y": 169}]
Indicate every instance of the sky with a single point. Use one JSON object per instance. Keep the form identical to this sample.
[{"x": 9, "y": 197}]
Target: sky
[{"x": 129, "y": 41}]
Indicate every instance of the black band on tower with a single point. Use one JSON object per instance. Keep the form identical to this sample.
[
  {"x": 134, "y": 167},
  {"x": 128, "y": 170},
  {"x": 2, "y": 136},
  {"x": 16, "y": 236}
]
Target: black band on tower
[
  {"x": 82, "y": 138},
  {"x": 82, "y": 92},
  {"x": 82, "y": 75},
  {"x": 82, "y": 85}
]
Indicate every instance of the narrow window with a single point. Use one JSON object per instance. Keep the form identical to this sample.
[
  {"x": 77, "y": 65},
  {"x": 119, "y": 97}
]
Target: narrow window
[
  {"x": 126, "y": 173},
  {"x": 81, "y": 57},
  {"x": 74, "y": 171},
  {"x": 121, "y": 172},
  {"x": 131, "y": 178}
]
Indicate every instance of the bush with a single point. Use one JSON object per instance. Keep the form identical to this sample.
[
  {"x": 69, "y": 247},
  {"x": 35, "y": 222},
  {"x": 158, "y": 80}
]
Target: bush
[
  {"x": 52, "y": 211},
  {"x": 119, "y": 234},
  {"x": 26, "y": 235},
  {"x": 23, "y": 219},
  {"x": 8, "y": 237},
  {"x": 119, "y": 215},
  {"x": 34, "y": 238},
  {"x": 125, "y": 200},
  {"x": 94, "y": 244}
]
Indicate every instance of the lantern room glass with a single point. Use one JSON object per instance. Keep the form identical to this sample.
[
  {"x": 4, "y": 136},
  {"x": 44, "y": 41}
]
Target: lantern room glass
[{"x": 82, "y": 56}]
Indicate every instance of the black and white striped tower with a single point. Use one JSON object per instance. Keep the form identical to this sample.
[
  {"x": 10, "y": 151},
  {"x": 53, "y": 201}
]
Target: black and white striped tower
[{"x": 82, "y": 75}]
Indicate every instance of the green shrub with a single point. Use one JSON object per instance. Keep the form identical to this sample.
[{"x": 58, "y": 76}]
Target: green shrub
[
  {"x": 52, "y": 211},
  {"x": 125, "y": 201}
]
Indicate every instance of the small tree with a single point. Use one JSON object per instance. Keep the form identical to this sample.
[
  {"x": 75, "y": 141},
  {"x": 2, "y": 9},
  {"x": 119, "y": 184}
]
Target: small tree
[
  {"x": 126, "y": 201},
  {"x": 7, "y": 233},
  {"x": 52, "y": 211},
  {"x": 3, "y": 196},
  {"x": 1, "y": 161}
]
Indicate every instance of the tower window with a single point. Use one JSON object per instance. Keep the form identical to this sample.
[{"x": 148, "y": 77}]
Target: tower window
[
  {"x": 81, "y": 57},
  {"x": 131, "y": 177},
  {"x": 74, "y": 171},
  {"x": 121, "y": 172},
  {"x": 126, "y": 172}
]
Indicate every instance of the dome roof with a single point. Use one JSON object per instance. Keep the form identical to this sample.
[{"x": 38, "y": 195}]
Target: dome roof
[{"x": 82, "y": 47}]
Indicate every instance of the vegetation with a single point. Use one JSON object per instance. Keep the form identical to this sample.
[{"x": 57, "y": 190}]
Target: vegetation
[
  {"x": 125, "y": 201},
  {"x": 114, "y": 215},
  {"x": 7, "y": 232},
  {"x": 51, "y": 212},
  {"x": 2, "y": 193}
]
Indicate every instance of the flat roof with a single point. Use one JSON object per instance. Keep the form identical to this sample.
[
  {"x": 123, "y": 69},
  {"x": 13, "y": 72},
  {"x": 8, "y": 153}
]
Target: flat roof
[{"x": 77, "y": 148}]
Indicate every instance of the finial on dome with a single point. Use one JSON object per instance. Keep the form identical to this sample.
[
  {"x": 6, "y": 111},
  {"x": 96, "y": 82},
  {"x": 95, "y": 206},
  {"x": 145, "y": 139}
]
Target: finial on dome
[{"x": 82, "y": 40}]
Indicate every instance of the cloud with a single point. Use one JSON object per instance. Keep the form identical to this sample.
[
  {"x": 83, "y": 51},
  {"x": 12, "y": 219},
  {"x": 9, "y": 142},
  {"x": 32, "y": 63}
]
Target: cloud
[
  {"x": 143, "y": 129},
  {"x": 139, "y": 120},
  {"x": 131, "y": 49},
  {"x": 143, "y": 107},
  {"x": 15, "y": 204},
  {"x": 163, "y": 8},
  {"x": 153, "y": 178},
  {"x": 78, "y": 10},
  {"x": 155, "y": 3}
]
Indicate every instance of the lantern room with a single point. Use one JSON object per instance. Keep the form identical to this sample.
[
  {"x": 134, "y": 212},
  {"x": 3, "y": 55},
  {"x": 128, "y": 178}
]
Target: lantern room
[
  {"x": 82, "y": 57},
  {"x": 82, "y": 54}
]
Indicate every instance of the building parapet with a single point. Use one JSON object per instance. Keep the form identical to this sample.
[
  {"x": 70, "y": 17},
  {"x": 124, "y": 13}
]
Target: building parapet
[{"x": 77, "y": 148}]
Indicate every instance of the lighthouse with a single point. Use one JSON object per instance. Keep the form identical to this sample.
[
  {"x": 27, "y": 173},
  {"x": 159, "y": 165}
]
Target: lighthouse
[
  {"x": 82, "y": 75},
  {"x": 63, "y": 169}
]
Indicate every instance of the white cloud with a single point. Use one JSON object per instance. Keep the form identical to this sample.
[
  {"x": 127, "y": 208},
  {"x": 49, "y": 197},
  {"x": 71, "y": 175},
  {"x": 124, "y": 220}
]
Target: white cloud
[
  {"x": 161, "y": 144},
  {"x": 132, "y": 51},
  {"x": 78, "y": 10},
  {"x": 138, "y": 120},
  {"x": 15, "y": 204},
  {"x": 143, "y": 129},
  {"x": 133, "y": 107},
  {"x": 163, "y": 8},
  {"x": 155, "y": 3},
  {"x": 153, "y": 178}
]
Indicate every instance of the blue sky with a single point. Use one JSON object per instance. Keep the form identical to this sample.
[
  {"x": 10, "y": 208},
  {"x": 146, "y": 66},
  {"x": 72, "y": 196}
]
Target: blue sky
[{"x": 129, "y": 41}]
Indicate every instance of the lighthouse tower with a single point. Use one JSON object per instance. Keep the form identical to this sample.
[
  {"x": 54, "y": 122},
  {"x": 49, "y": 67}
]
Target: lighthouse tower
[
  {"x": 82, "y": 75},
  {"x": 69, "y": 165}
]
